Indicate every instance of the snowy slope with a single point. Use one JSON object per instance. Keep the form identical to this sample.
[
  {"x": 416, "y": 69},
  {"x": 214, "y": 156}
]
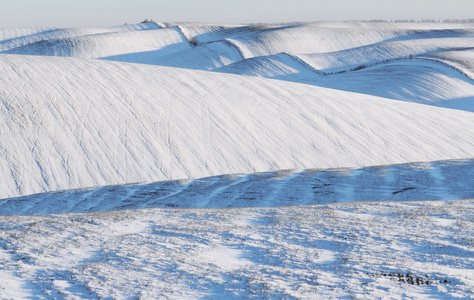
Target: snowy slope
[
  {"x": 314, "y": 47},
  {"x": 26, "y": 40},
  {"x": 298, "y": 53},
  {"x": 168, "y": 40},
  {"x": 205, "y": 57},
  {"x": 463, "y": 60},
  {"x": 87, "y": 123},
  {"x": 274, "y": 181},
  {"x": 324, "y": 45},
  {"x": 441, "y": 180},
  {"x": 345, "y": 60},
  {"x": 70, "y": 123},
  {"x": 332, "y": 37},
  {"x": 432, "y": 79},
  {"x": 416, "y": 80}
]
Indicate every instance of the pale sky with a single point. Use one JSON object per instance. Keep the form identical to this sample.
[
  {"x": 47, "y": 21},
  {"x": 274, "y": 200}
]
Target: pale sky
[{"x": 93, "y": 13}]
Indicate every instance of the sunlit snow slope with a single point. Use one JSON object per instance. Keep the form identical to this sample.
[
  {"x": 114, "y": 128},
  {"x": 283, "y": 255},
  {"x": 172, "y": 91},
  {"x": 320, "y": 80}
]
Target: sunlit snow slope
[
  {"x": 69, "y": 123},
  {"x": 403, "y": 61},
  {"x": 84, "y": 121},
  {"x": 345, "y": 150}
]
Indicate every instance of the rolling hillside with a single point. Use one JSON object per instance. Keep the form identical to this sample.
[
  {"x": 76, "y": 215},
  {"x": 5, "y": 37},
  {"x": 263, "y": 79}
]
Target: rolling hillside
[
  {"x": 71, "y": 123},
  {"x": 184, "y": 160},
  {"x": 440, "y": 180}
]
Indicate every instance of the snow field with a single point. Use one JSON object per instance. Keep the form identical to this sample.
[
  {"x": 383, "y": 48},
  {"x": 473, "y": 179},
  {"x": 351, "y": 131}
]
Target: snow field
[
  {"x": 23, "y": 38},
  {"x": 343, "y": 250},
  {"x": 442, "y": 180},
  {"x": 72, "y": 123},
  {"x": 171, "y": 182},
  {"x": 107, "y": 44}
]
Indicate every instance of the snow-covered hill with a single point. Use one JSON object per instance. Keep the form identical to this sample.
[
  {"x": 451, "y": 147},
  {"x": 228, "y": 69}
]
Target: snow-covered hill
[
  {"x": 300, "y": 53},
  {"x": 441, "y": 180},
  {"x": 269, "y": 148},
  {"x": 70, "y": 123}
]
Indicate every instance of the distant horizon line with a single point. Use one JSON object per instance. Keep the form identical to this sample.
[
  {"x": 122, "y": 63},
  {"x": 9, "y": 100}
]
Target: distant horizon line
[{"x": 436, "y": 21}]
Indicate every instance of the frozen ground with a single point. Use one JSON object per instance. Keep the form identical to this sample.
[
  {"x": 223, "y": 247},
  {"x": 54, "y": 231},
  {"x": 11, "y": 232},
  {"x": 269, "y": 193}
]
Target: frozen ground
[
  {"x": 75, "y": 121},
  {"x": 441, "y": 180},
  {"x": 182, "y": 160},
  {"x": 70, "y": 123},
  {"x": 420, "y": 249}
]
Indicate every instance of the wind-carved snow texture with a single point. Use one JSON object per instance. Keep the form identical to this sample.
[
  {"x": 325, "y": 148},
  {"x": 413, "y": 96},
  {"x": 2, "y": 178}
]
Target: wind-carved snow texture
[
  {"x": 441, "y": 180},
  {"x": 321, "y": 160},
  {"x": 70, "y": 123},
  {"x": 78, "y": 122},
  {"x": 381, "y": 249},
  {"x": 301, "y": 53}
]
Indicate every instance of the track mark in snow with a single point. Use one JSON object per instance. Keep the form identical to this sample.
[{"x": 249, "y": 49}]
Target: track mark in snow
[
  {"x": 215, "y": 194},
  {"x": 403, "y": 190}
]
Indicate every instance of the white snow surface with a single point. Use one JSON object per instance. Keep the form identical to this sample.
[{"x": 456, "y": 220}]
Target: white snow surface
[
  {"x": 70, "y": 123},
  {"x": 185, "y": 160},
  {"x": 440, "y": 180},
  {"x": 345, "y": 250}
]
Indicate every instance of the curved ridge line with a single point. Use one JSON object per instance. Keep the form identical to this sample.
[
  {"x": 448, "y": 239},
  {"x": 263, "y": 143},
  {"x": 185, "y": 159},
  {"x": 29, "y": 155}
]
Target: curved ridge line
[
  {"x": 446, "y": 64},
  {"x": 235, "y": 46},
  {"x": 302, "y": 62},
  {"x": 393, "y": 60},
  {"x": 183, "y": 33}
]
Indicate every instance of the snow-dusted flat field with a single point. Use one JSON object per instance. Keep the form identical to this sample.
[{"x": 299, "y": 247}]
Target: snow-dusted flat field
[
  {"x": 183, "y": 160},
  {"x": 348, "y": 250}
]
